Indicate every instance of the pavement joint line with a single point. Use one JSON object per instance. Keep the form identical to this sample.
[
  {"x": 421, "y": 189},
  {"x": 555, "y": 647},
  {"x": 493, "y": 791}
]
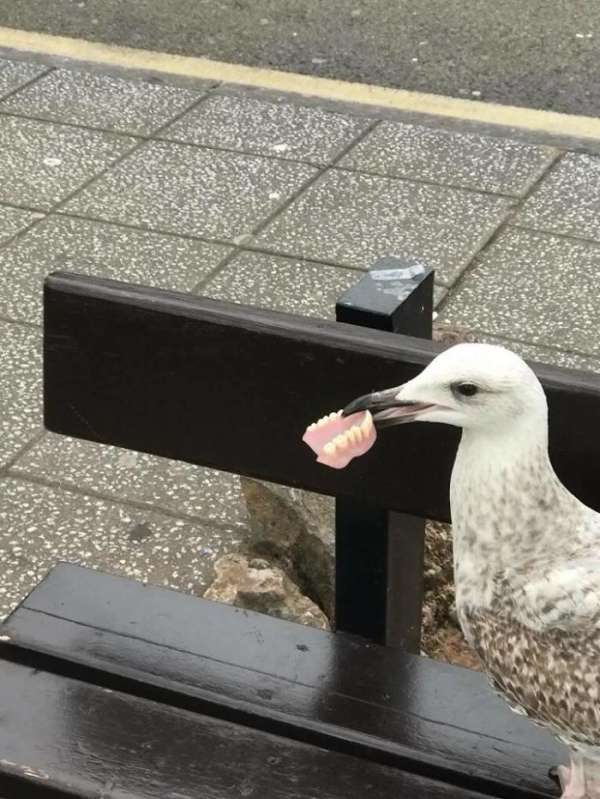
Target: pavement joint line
[
  {"x": 542, "y": 345},
  {"x": 140, "y": 228},
  {"x": 558, "y": 234},
  {"x": 139, "y": 143},
  {"x": 430, "y": 182},
  {"x": 542, "y": 173},
  {"x": 247, "y": 246},
  {"x": 486, "y": 242},
  {"x": 264, "y": 250},
  {"x": 29, "y": 444},
  {"x": 216, "y": 270},
  {"x": 162, "y": 138},
  {"x": 56, "y": 207},
  {"x": 23, "y": 207},
  {"x": 254, "y": 154},
  {"x": 501, "y": 227},
  {"x": 23, "y": 322},
  {"x": 26, "y": 84},
  {"x": 151, "y": 137},
  {"x": 220, "y": 148},
  {"x": 64, "y": 485},
  {"x": 82, "y": 51},
  {"x": 154, "y": 135},
  {"x": 230, "y": 257},
  {"x": 536, "y": 182},
  {"x": 63, "y": 124},
  {"x": 314, "y": 178},
  {"x": 260, "y": 249},
  {"x": 24, "y": 230}
]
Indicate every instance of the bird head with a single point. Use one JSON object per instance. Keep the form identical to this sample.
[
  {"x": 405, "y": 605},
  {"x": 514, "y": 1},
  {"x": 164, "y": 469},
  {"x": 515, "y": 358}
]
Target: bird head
[{"x": 473, "y": 386}]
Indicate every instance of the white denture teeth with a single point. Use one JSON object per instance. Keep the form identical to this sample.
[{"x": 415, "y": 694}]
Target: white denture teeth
[{"x": 337, "y": 440}]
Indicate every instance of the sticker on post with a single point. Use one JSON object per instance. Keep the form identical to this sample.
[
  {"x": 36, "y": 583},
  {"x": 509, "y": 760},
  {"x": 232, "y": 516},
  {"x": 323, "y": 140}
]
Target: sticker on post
[{"x": 398, "y": 273}]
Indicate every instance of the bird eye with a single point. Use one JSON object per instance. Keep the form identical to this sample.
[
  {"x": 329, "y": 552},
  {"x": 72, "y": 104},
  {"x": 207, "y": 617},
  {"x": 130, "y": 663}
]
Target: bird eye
[{"x": 466, "y": 389}]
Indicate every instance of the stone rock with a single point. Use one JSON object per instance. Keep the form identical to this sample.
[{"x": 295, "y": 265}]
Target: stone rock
[
  {"x": 451, "y": 334},
  {"x": 451, "y": 647},
  {"x": 255, "y": 584},
  {"x": 438, "y": 584},
  {"x": 441, "y": 637},
  {"x": 296, "y": 529}
]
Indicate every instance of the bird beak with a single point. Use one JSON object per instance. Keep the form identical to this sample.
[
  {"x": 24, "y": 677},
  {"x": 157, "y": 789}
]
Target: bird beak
[{"x": 387, "y": 408}]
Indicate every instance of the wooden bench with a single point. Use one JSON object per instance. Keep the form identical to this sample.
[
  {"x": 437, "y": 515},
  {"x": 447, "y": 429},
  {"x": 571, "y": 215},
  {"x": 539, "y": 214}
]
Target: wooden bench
[{"x": 113, "y": 689}]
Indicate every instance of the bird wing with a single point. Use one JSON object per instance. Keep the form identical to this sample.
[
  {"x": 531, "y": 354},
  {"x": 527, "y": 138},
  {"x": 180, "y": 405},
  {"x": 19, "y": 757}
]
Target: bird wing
[
  {"x": 555, "y": 596},
  {"x": 540, "y": 643}
]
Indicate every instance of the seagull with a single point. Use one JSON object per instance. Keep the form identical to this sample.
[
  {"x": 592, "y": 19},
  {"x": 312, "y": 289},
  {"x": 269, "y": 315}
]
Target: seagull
[{"x": 526, "y": 550}]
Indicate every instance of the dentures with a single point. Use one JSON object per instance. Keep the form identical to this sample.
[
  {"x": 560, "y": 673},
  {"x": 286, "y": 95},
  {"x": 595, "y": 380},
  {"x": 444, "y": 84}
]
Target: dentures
[{"x": 337, "y": 439}]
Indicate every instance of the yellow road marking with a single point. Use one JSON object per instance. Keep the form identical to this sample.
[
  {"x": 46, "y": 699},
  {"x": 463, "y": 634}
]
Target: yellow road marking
[{"x": 81, "y": 50}]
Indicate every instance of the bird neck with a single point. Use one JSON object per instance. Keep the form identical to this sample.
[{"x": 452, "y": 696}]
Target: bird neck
[{"x": 507, "y": 505}]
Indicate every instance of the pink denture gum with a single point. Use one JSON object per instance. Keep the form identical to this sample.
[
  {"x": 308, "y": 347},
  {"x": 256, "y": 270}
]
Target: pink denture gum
[{"x": 337, "y": 439}]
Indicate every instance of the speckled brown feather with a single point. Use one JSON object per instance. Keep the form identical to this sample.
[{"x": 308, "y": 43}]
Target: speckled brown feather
[{"x": 547, "y": 676}]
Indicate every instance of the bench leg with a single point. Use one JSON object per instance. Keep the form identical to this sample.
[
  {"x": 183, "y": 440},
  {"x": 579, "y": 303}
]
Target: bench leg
[{"x": 379, "y": 574}]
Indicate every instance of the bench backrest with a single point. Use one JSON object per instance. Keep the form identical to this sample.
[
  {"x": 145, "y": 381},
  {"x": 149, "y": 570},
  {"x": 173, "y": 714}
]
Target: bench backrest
[{"x": 233, "y": 387}]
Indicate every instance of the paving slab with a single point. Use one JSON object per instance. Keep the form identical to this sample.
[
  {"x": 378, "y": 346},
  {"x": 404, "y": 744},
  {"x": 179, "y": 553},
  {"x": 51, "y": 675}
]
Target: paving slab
[
  {"x": 123, "y": 475},
  {"x": 443, "y": 156},
  {"x": 354, "y": 219},
  {"x": 554, "y": 357},
  {"x": 42, "y": 163},
  {"x": 13, "y": 220},
  {"x": 439, "y": 293},
  {"x": 20, "y": 388},
  {"x": 102, "y": 101},
  {"x": 568, "y": 199},
  {"x": 40, "y": 526},
  {"x": 252, "y": 125},
  {"x": 100, "y": 249},
  {"x": 190, "y": 190},
  {"x": 282, "y": 284},
  {"x": 536, "y": 287},
  {"x": 14, "y": 74}
]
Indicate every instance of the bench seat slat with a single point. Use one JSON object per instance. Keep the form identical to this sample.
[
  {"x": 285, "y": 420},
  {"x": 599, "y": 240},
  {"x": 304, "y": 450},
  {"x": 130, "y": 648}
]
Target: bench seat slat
[
  {"x": 334, "y": 691},
  {"x": 62, "y": 737}
]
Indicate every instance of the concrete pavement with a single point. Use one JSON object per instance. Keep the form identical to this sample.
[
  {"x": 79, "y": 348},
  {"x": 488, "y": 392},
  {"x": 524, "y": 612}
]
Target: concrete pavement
[{"x": 273, "y": 200}]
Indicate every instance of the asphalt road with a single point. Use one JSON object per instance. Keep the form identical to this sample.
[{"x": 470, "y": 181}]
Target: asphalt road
[{"x": 538, "y": 53}]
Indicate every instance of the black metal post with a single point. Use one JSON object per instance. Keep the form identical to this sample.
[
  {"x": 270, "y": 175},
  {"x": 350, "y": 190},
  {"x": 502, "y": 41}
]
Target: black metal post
[{"x": 379, "y": 553}]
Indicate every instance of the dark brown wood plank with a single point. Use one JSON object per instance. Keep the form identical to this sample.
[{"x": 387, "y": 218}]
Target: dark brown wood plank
[
  {"x": 62, "y": 737},
  {"x": 233, "y": 387},
  {"x": 335, "y": 691}
]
